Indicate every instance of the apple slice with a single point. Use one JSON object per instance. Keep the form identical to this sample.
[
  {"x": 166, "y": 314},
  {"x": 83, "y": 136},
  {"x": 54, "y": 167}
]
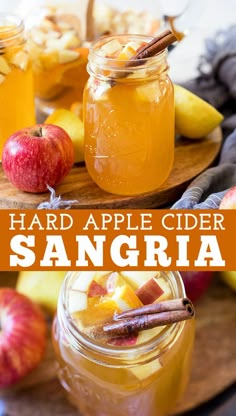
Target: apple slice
[
  {"x": 21, "y": 60},
  {"x": 4, "y": 67},
  {"x": 77, "y": 301},
  {"x": 126, "y": 298},
  {"x": 149, "y": 92},
  {"x": 167, "y": 294},
  {"x": 111, "y": 48},
  {"x": 114, "y": 280},
  {"x": 2, "y": 78},
  {"x": 123, "y": 341},
  {"x": 143, "y": 371},
  {"x": 149, "y": 291},
  {"x": 95, "y": 289},
  {"x": 144, "y": 336},
  {"x": 67, "y": 55},
  {"x": 83, "y": 281},
  {"x": 137, "y": 279},
  {"x": 128, "y": 51}
]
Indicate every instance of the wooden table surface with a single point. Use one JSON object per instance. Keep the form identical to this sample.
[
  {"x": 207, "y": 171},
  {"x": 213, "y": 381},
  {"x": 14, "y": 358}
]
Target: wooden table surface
[{"x": 212, "y": 388}]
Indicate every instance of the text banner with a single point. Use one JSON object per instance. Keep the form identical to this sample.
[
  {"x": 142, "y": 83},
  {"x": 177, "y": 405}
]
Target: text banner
[{"x": 117, "y": 239}]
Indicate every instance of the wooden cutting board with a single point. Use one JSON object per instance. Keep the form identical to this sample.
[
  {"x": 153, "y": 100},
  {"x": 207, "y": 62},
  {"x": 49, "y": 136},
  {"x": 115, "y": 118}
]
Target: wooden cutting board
[
  {"x": 214, "y": 363},
  {"x": 191, "y": 158}
]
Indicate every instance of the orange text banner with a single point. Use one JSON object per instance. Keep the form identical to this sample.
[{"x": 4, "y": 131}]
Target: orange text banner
[{"x": 117, "y": 239}]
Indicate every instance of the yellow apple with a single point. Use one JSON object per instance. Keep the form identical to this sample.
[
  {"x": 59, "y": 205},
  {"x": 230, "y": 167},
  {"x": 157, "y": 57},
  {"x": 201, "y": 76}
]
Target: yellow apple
[
  {"x": 42, "y": 287},
  {"x": 229, "y": 277}
]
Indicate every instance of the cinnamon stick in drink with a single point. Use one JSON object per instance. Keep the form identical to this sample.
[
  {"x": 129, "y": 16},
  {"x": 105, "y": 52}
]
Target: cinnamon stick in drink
[
  {"x": 143, "y": 322},
  {"x": 164, "y": 306}
]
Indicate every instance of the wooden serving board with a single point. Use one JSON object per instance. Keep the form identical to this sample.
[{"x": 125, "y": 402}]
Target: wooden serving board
[
  {"x": 191, "y": 158},
  {"x": 214, "y": 363}
]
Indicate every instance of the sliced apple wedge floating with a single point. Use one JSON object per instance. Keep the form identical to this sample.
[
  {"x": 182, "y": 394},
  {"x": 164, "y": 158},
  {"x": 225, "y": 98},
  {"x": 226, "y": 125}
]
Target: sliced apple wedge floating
[
  {"x": 137, "y": 279},
  {"x": 149, "y": 291},
  {"x": 83, "y": 281},
  {"x": 77, "y": 301},
  {"x": 126, "y": 298},
  {"x": 144, "y": 371}
]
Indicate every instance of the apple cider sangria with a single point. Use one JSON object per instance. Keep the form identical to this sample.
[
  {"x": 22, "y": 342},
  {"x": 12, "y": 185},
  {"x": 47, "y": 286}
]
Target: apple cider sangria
[
  {"x": 59, "y": 58},
  {"x": 16, "y": 79},
  {"x": 128, "y": 116},
  {"x": 112, "y": 361}
]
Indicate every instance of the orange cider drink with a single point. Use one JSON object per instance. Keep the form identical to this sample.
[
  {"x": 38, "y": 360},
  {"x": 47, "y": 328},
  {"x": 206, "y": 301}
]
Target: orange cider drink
[
  {"x": 16, "y": 79},
  {"x": 59, "y": 58},
  {"x": 142, "y": 373},
  {"x": 129, "y": 117}
]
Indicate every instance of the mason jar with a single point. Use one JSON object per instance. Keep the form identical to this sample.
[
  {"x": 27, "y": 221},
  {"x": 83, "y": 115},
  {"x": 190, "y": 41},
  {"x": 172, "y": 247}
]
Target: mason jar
[
  {"x": 16, "y": 79},
  {"x": 133, "y": 380},
  {"x": 128, "y": 119},
  {"x": 59, "y": 55}
]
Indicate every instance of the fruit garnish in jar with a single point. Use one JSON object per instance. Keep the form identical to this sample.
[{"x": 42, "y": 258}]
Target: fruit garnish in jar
[
  {"x": 110, "y": 20},
  {"x": 56, "y": 47},
  {"x": 110, "y": 299}
]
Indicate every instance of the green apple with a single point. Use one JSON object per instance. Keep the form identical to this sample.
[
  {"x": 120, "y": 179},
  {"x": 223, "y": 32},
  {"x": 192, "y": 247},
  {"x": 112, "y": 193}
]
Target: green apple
[
  {"x": 42, "y": 287},
  {"x": 229, "y": 277}
]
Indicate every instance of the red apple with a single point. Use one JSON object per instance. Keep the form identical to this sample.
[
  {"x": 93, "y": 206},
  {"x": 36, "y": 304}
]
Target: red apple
[
  {"x": 229, "y": 199},
  {"x": 37, "y": 156},
  {"x": 22, "y": 336},
  {"x": 196, "y": 283}
]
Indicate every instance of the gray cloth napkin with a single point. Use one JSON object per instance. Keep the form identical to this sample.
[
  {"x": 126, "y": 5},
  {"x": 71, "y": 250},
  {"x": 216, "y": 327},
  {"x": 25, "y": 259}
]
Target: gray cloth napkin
[{"x": 217, "y": 85}]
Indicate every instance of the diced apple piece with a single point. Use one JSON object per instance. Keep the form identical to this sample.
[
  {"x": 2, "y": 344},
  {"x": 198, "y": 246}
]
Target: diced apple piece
[
  {"x": 143, "y": 371},
  {"x": 147, "y": 335},
  {"x": 149, "y": 291},
  {"x": 114, "y": 280},
  {"x": 4, "y": 67},
  {"x": 77, "y": 301},
  {"x": 70, "y": 40},
  {"x": 83, "y": 281},
  {"x": 111, "y": 48},
  {"x": 166, "y": 290},
  {"x": 21, "y": 60},
  {"x": 2, "y": 78},
  {"x": 128, "y": 51},
  {"x": 95, "y": 289},
  {"x": 148, "y": 92},
  {"x": 49, "y": 58},
  {"x": 137, "y": 279},
  {"x": 124, "y": 341},
  {"x": 126, "y": 298},
  {"x": 67, "y": 55}
]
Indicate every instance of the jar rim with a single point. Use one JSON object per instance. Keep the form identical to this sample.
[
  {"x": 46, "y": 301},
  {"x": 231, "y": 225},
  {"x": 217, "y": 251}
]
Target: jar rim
[
  {"x": 87, "y": 345},
  {"x": 111, "y": 63},
  {"x": 11, "y": 26}
]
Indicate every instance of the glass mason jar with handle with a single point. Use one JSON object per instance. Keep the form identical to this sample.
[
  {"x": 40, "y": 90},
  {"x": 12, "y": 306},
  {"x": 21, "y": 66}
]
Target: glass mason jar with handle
[
  {"x": 128, "y": 117},
  {"x": 142, "y": 374},
  {"x": 16, "y": 79}
]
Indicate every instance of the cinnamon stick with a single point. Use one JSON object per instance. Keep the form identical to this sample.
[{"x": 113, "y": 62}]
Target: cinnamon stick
[
  {"x": 164, "y": 306},
  {"x": 158, "y": 44},
  {"x": 144, "y": 322}
]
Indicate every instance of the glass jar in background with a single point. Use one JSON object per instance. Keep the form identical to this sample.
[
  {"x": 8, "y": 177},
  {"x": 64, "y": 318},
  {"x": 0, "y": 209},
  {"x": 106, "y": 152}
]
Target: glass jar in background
[
  {"x": 145, "y": 378},
  {"x": 16, "y": 79},
  {"x": 122, "y": 16},
  {"x": 129, "y": 120},
  {"x": 59, "y": 57}
]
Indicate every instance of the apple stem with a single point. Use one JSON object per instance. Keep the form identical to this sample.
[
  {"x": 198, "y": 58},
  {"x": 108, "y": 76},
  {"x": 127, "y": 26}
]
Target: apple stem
[{"x": 38, "y": 133}]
